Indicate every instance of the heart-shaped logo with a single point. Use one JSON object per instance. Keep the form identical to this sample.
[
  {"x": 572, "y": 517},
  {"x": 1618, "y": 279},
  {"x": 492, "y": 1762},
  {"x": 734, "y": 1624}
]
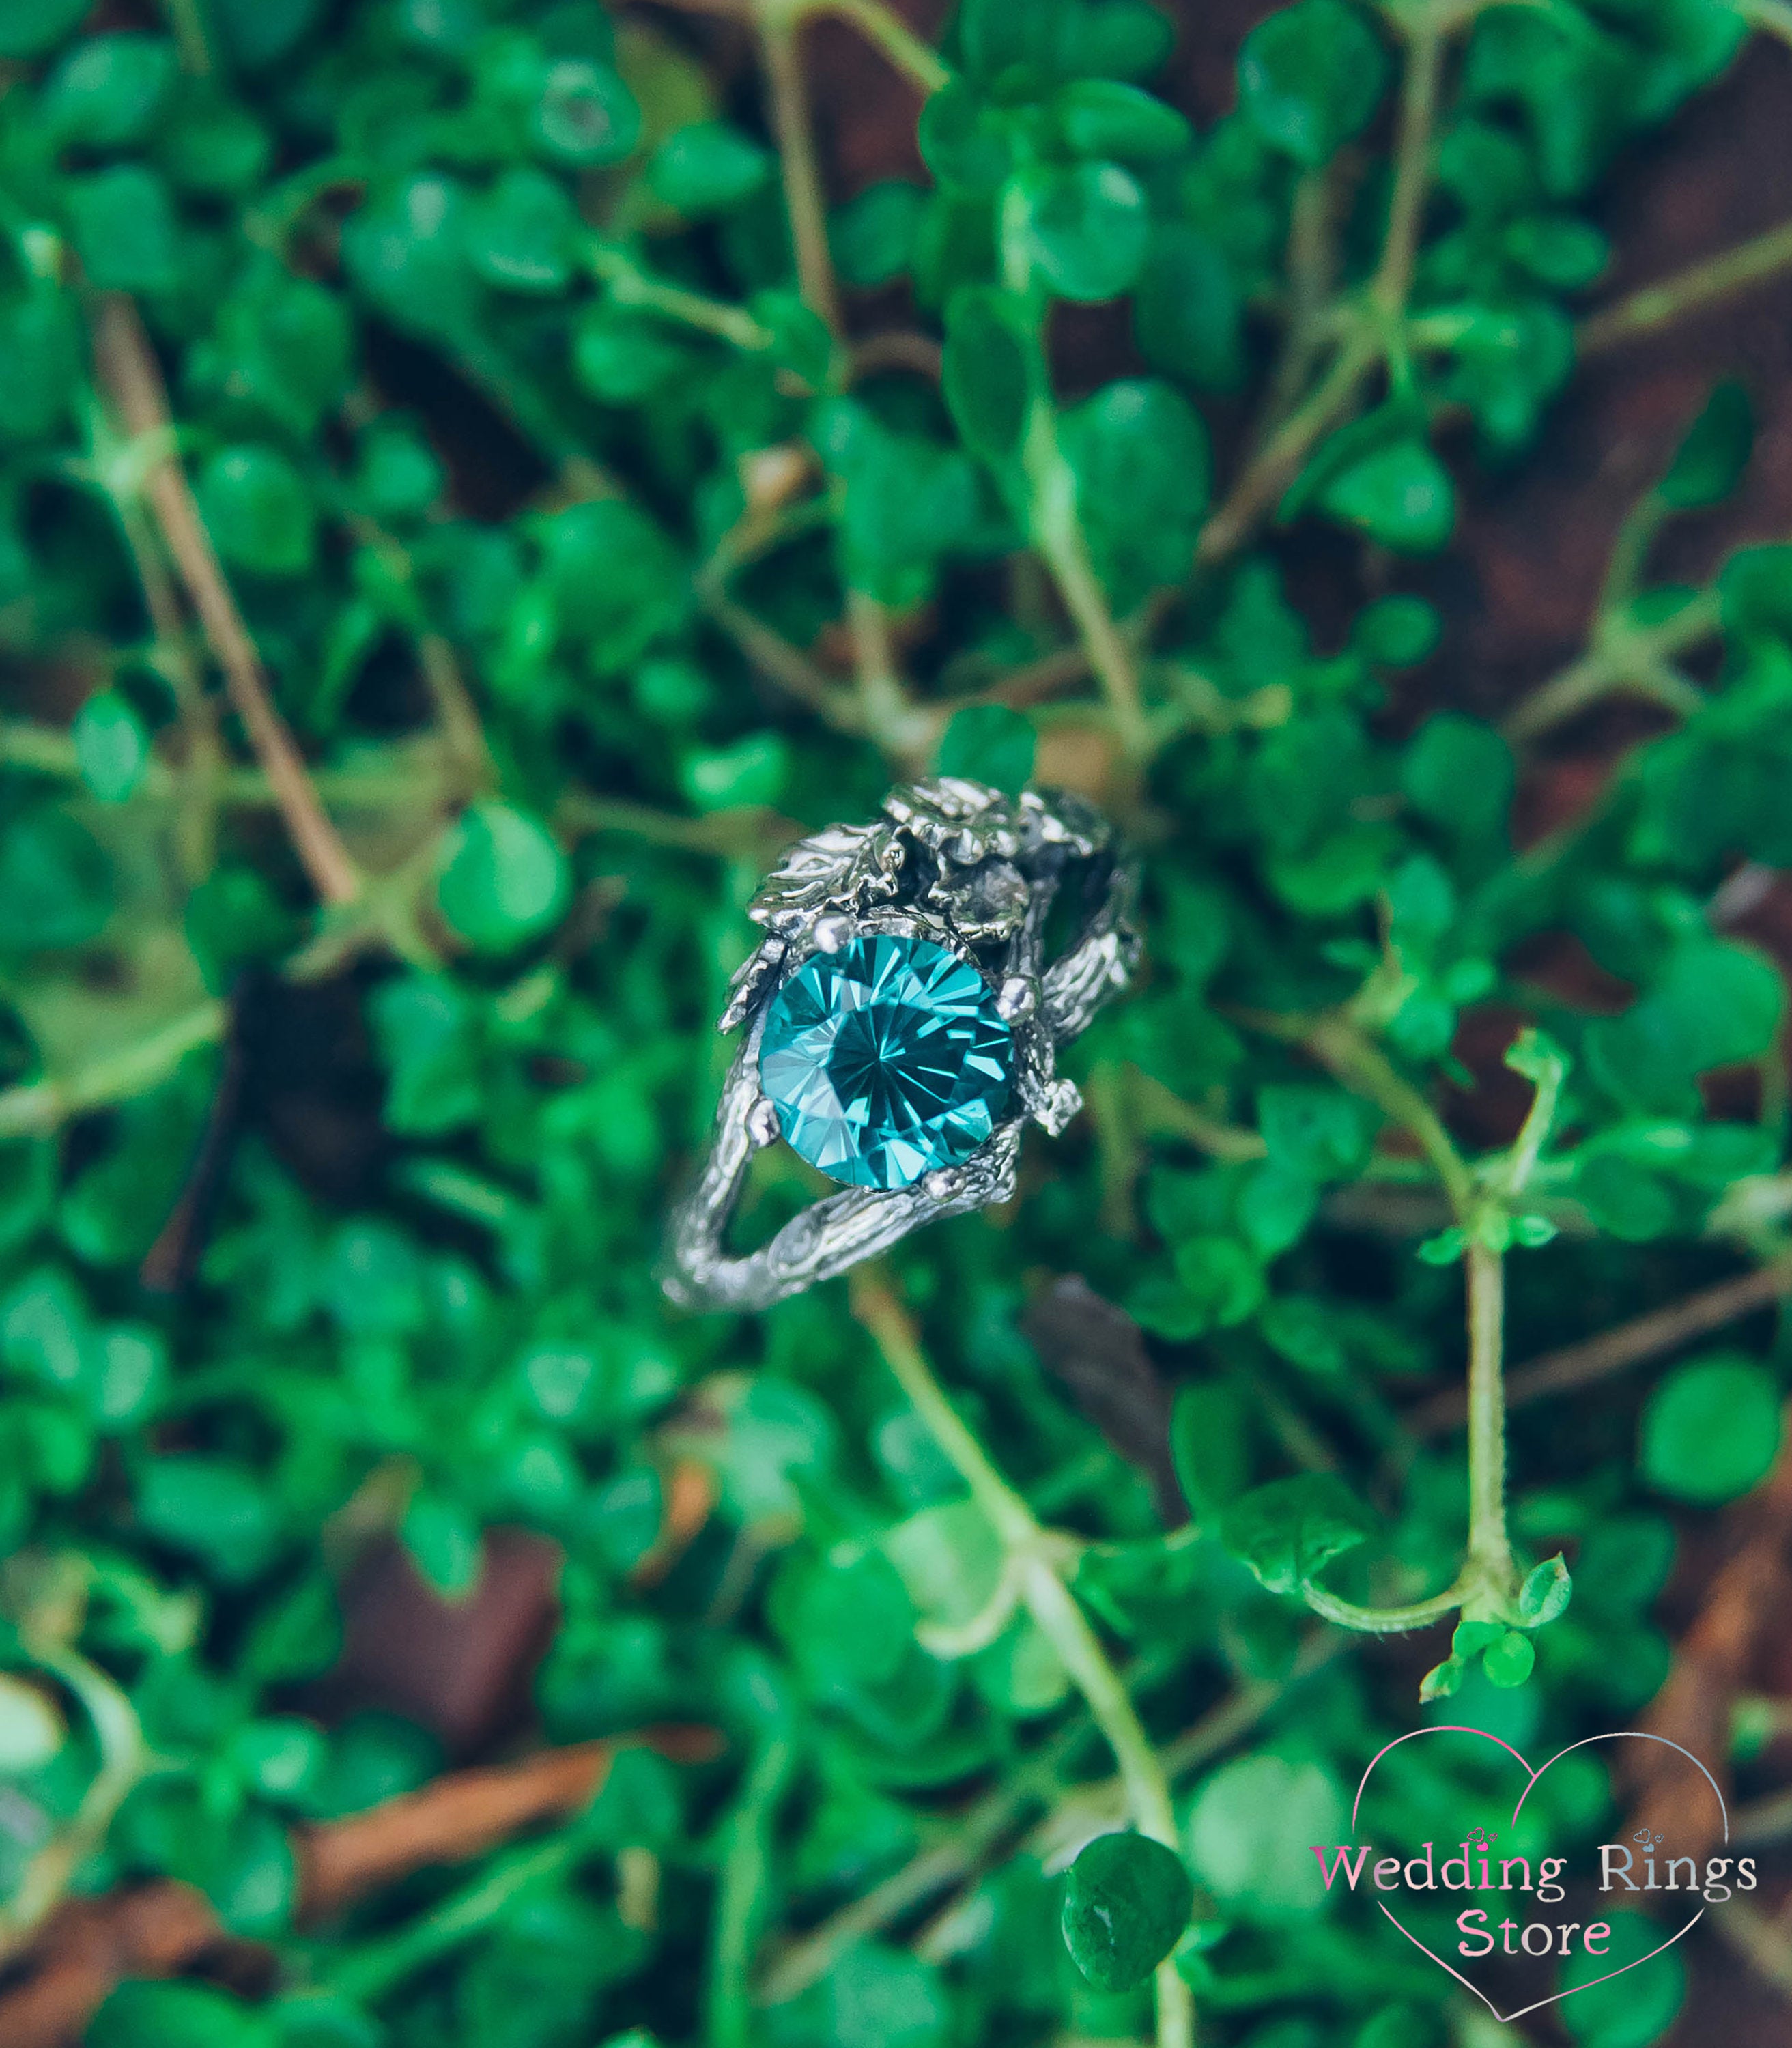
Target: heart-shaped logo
[{"x": 1477, "y": 1850}]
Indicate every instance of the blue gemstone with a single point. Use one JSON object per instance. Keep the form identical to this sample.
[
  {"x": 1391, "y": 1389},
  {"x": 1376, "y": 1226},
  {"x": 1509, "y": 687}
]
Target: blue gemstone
[{"x": 886, "y": 1060}]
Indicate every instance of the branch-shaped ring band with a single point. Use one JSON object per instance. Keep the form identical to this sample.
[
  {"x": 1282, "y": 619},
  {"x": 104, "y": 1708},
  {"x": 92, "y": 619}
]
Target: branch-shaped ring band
[{"x": 903, "y": 1020}]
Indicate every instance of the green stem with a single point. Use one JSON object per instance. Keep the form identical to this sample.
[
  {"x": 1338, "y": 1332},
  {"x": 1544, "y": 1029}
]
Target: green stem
[
  {"x": 740, "y": 1911},
  {"x": 1311, "y": 262},
  {"x": 1533, "y": 1133},
  {"x": 1412, "y": 166},
  {"x": 630, "y": 286},
  {"x": 1274, "y": 466},
  {"x": 1717, "y": 277},
  {"x": 917, "y": 60},
  {"x": 884, "y": 707},
  {"x": 779, "y": 662},
  {"x": 744, "y": 834},
  {"x": 1160, "y": 1109},
  {"x": 1624, "y": 657},
  {"x": 1630, "y": 551},
  {"x": 878, "y": 1309},
  {"x": 1047, "y": 1598},
  {"x": 1489, "y": 1550},
  {"x": 1362, "y": 1067},
  {"x": 203, "y": 762},
  {"x": 379, "y": 1967},
  {"x": 803, "y": 197},
  {"x": 905, "y": 732},
  {"x": 403, "y": 785},
  {"x": 1059, "y": 535},
  {"x": 123, "y": 1761},
  {"x": 1052, "y": 519},
  {"x": 936, "y": 1869},
  {"x": 1382, "y": 1620},
  {"x": 192, "y": 37},
  {"x": 41, "y": 1106},
  {"x": 1050, "y": 1602},
  {"x": 1487, "y": 1574}
]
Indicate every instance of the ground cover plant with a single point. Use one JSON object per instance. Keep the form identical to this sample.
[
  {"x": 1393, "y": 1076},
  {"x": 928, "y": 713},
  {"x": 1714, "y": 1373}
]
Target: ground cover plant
[{"x": 479, "y": 477}]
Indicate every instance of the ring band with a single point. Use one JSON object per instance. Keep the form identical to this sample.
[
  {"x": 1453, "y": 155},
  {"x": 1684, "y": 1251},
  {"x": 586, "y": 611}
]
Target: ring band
[{"x": 914, "y": 1024}]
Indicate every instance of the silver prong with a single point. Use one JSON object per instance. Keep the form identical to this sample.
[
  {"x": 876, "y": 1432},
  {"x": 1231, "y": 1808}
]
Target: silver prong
[
  {"x": 1060, "y": 1102},
  {"x": 1017, "y": 998},
  {"x": 989, "y": 870}
]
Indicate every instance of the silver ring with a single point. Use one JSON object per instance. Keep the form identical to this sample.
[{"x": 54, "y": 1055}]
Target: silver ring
[{"x": 902, "y": 1024}]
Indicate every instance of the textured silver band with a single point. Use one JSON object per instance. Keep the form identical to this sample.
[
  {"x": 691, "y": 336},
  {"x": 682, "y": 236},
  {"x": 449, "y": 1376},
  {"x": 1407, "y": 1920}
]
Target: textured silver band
[{"x": 970, "y": 869}]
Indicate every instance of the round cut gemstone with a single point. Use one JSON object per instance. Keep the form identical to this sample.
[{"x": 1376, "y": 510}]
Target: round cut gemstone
[{"x": 886, "y": 1060}]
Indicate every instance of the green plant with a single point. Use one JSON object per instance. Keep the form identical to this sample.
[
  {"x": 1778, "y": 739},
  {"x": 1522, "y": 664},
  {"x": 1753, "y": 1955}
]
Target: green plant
[{"x": 456, "y": 525}]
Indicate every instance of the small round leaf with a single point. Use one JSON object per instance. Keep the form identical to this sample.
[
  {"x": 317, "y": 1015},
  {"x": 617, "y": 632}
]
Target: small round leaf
[
  {"x": 1711, "y": 1428},
  {"x": 1310, "y": 76},
  {"x": 110, "y": 747},
  {"x": 1400, "y": 495},
  {"x": 1087, "y": 227},
  {"x": 708, "y": 168},
  {"x": 503, "y": 880},
  {"x": 1127, "y": 1899},
  {"x": 1509, "y": 1661},
  {"x": 259, "y": 513},
  {"x": 586, "y": 114}
]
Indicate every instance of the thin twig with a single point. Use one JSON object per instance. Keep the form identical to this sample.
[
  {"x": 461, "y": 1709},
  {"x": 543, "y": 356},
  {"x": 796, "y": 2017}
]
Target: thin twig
[
  {"x": 1311, "y": 265},
  {"x": 1622, "y": 656},
  {"x": 1032, "y": 1559},
  {"x": 158, "y": 1929},
  {"x": 749, "y": 833},
  {"x": 1688, "y": 291},
  {"x": 779, "y": 662},
  {"x": 917, "y": 61},
  {"x": 631, "y": 285},
  {"x": 1260, "y": 485},
  {"x": 1629, "y": 1343},
  {"x": 172, "y": 653},
  {"x": 1160, "y": 1109},
  {"x": 886, "y": 713},
  {"x": 1755, "y": 1936},
  {"x": 1087, "y": 1807},
  {"x": 129, "y": 371},
  {"x": 741, "y": 1907},
  {"x": 901, "y": 348},
  {"x": 1412, "y": 164},
  {"x": 803, "y": 197},
  {"x": 187, "y": 19},
  {"x": 44, "y": 1105},
  {"x": 1692, "y": 1711}
]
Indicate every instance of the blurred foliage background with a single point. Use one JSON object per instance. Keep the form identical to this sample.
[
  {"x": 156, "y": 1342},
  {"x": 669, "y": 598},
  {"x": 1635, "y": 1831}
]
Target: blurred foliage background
[{"x": 477, "y": 479}]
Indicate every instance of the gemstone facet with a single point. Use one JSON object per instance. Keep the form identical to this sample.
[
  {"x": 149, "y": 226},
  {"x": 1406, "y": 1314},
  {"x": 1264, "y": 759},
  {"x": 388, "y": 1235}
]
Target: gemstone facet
[{"x": 886, "y": 1060}]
